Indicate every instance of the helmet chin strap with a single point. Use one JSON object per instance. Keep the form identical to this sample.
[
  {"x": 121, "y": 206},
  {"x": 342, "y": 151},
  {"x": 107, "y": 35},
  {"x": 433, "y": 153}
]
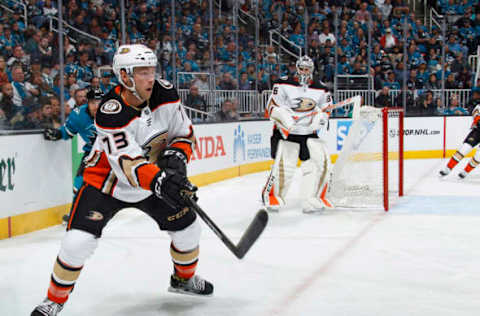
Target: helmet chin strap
[{"x": 132, "y": 89}]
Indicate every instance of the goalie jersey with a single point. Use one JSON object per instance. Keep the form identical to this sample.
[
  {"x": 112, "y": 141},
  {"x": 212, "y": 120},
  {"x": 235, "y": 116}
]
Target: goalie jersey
[
  {"x": 303, "y": 101},
  {"x": 122, "y": 161}
]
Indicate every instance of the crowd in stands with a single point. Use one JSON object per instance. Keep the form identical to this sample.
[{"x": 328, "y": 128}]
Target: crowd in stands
[{"x": 29, "y": 62}]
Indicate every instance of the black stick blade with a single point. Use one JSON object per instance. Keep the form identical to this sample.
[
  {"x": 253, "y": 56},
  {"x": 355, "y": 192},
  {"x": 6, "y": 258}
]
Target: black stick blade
[{"x": 252, "y": 233}]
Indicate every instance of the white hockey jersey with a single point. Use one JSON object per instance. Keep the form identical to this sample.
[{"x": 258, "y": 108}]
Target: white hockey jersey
[
  {"x": 129, "y": 140},
  {"x": 302, "y": 101}
]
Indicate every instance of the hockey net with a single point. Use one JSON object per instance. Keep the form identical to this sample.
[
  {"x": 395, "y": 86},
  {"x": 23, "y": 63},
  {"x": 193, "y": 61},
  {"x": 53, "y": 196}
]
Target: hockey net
[{"x": 369, "y": 170}]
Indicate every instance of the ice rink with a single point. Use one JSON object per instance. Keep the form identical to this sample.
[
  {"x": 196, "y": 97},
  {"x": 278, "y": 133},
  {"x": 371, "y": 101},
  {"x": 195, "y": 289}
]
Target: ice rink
[{"x": 421, "y": 258}]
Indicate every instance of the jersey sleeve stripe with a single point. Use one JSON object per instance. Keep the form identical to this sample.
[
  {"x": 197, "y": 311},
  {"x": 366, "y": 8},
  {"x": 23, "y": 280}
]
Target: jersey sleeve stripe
[
  {"x": 165, "y": 103},
  {"x": 145, "y": 174},
  {"x": 186, "y": 147}
]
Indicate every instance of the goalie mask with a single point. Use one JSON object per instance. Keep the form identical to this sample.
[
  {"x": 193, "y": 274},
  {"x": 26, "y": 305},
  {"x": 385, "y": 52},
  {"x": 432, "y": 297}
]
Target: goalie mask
[
  {"x": 128, "y": 57},
  {"x": 304, "y": 69}
]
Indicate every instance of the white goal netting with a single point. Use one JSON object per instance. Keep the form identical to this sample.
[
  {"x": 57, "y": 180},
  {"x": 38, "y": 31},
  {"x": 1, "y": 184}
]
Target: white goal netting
[{"x": 369, "y": 157}]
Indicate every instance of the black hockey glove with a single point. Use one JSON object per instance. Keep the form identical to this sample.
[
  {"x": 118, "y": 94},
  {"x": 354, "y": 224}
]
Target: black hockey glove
[
  {"x": 173, "y": 187},
  {"x": 173, "y": 158},
  {"x": 52, "y": 134}
]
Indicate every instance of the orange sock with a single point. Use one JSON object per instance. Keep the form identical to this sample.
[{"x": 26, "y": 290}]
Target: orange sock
[
  {"x": 472, "y": 164},
  {"x": 456, "y": 158},
  {"x": 62, "y": 281}
]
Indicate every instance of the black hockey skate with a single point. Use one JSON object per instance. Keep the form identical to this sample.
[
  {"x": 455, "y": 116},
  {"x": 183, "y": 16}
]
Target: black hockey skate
[
  {"x": 462, "y": 175},
  {"x": 193, "y": 286},
  {"x": 47, "y": 308}
]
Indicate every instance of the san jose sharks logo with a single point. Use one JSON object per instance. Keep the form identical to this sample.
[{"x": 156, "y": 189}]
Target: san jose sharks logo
[{"x": 303, "y": 104}]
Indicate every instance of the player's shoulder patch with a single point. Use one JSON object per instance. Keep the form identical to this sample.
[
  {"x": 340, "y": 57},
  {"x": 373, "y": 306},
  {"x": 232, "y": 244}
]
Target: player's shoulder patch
[
  {"x": 112, "y": 114},
  {"x": 112, "y": 106},
  {"x": 165, "y": 83}
]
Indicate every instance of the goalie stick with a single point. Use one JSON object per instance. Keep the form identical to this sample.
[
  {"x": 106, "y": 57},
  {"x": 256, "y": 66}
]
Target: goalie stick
[{"x": 249, "y": 237}]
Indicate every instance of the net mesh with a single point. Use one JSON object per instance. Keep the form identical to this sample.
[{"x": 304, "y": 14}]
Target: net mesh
[{"x": 358, "y": 174}]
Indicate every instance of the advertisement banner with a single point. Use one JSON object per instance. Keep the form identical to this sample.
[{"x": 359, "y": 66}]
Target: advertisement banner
[
  {"x": 222, "y": 146},
  {"x": 34, "y": 174}
]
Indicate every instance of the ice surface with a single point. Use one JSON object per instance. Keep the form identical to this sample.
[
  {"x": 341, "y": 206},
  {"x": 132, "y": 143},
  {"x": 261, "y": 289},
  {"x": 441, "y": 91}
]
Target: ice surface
[{"x": 421, "y": 258}]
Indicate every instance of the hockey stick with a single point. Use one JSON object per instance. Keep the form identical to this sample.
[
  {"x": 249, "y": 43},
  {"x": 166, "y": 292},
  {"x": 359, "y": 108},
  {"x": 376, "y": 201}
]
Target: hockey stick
[
  {"x": 352, "y": 100},
  {"x": 249, "y": 237}
]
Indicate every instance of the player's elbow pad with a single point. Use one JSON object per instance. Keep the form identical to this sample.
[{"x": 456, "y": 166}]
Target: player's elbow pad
[{"x": 283, "y": 116}]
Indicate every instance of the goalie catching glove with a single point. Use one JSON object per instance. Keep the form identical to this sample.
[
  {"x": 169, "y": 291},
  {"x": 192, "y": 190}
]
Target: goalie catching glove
[{"x": 171, "y": 183}]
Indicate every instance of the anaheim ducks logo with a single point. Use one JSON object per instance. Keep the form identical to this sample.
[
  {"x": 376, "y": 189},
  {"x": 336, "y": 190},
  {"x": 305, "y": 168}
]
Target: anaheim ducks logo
[
  {"x": 94, "y": 216},
  {"x": 124, "y": 50},
  {"x": 304, "y": 104},
  {"x": 111, "y": 107}
]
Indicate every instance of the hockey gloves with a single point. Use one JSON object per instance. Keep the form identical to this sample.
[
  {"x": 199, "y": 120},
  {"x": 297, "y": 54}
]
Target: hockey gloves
[
  {"x": 171, "y": 183},
  {"x": 52, "y": 134},
  {"x": 173, "y": 158}
]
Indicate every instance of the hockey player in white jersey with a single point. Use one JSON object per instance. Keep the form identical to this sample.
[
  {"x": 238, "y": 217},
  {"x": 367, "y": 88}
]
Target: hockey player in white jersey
[
  {"x": 472, "y": 140},
  {"x": 297, "y": 107},
  {"x": 138, "y": 160}
]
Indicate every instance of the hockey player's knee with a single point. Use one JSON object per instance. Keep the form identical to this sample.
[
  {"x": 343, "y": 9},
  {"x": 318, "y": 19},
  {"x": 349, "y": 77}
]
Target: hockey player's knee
[
  {"x": 76, "y": 247},
  {"x": 187, "y": 238}
]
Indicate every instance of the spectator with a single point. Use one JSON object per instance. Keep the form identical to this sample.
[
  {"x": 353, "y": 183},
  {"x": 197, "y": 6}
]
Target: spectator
[
  {"x": 19, "y": 57},
  {"x": 464, "y": 79},
  {"x": 388, "y": 41},
  {"x": 391, "y": 81},
  {"x": 47, "y": 118},
  {"x": 475, "y": 99},
  {"x": 362, "y": 15},
  {"x": 3, "y": 71},
  {"x": 227, "y": 82},
  {"x": 7, "y": 108},
  {"x": 79, "y": 98},
  {"x": 106, "y": 83},
  {"x": 426, "y": 104},
  {"x": 21, "y": 90},
  {"x": 195, "y": 100},
  {"x": 227, "y": 113},
  {"x": 450, "y": 83},
  {"x": 454, "y": 107},
  {"x": 46, "y": 52},
  {"x": 326, "y": 35},
  {"x": 432, "y": 83},
  {"x": 201, "y": 82},
  {"x": 383, "y": 99},
  {"x": 244, "y": 83}
]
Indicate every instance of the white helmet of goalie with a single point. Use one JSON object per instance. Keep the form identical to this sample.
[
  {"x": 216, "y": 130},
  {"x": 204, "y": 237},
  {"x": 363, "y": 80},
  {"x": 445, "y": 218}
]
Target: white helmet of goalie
[
  {"x": 305, "y": 69},
  {"x": 129, "y": 57}
]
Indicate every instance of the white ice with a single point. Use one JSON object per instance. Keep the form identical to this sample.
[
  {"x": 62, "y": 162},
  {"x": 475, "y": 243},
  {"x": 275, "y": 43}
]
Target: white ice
[{"x": 421, "y": 258}]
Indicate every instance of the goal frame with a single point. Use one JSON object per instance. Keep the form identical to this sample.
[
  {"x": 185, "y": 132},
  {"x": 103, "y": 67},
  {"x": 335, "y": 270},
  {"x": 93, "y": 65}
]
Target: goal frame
[{"x": 385, "y": 115}]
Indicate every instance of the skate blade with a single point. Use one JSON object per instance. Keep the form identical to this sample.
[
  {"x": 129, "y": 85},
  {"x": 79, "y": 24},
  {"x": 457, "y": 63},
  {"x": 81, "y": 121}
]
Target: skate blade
[{"x": 181, "y": 291}]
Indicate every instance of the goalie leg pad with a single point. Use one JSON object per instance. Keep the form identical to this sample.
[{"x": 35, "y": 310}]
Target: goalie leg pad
[
  {"x": 316, "y": 174},
  {"x": 280, "y": 178}
]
